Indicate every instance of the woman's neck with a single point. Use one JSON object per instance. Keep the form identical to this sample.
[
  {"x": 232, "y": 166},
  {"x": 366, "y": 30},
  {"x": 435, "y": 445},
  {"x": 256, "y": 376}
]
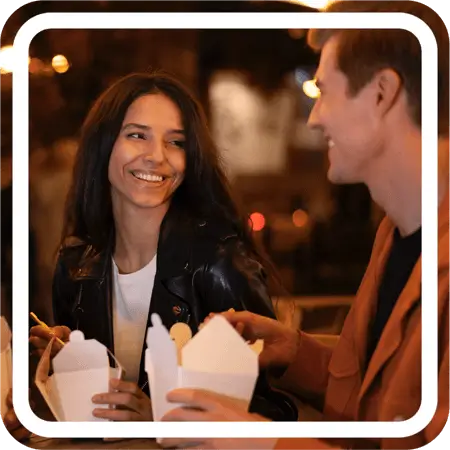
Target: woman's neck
[{"x": 137, "y": 234}]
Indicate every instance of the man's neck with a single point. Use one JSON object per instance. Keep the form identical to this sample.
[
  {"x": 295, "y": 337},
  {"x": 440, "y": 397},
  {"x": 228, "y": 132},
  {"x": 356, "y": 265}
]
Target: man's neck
[{"x": 396, "y": 183}]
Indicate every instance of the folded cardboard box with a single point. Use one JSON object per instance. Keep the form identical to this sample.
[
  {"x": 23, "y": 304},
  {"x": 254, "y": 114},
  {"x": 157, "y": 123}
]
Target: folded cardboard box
[
  {"x": 81, "y": 369},
  {"x": 217, "y": 358}
]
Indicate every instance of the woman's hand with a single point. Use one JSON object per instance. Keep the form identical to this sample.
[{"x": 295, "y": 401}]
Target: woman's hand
[
  {"x": 130, "y": 402},
  {"x": 40, "y": 338}
]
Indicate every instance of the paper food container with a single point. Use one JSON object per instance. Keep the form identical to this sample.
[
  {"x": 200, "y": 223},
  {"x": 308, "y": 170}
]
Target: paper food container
[
  {"x": 215, "y": 359},
  {"x": 5, "y": 363},
  {"x": 81, "y": 369}
]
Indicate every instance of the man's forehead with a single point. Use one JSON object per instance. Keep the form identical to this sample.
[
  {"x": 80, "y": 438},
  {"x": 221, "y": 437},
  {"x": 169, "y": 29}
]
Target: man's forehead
[{"x": 327, "y": 62}]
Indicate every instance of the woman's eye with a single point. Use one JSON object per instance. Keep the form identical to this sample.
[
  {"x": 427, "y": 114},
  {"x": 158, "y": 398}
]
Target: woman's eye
[
  {"x": 136, "y": 135},
  {"x": 179, "y": 144}
]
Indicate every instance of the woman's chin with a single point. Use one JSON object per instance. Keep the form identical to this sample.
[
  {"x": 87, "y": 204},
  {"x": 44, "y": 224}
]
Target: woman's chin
[{"x": 150, "y": 203}]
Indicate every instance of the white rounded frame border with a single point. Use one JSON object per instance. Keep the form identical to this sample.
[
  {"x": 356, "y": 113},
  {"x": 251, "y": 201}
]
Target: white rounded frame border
[{"x": 224, "y": 21}]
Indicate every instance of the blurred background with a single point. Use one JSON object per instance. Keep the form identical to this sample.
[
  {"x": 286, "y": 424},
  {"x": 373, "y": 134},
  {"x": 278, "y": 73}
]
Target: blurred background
[{"x": 256, "y": 88}]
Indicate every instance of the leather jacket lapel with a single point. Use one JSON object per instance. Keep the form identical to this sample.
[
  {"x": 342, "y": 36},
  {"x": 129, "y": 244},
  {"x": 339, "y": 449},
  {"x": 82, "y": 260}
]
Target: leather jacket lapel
[{"x": 93, "y": 306}]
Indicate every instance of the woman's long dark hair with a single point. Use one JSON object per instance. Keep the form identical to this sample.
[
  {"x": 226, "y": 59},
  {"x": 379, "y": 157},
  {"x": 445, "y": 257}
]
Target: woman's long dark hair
[{"x": 204, "y": 192}]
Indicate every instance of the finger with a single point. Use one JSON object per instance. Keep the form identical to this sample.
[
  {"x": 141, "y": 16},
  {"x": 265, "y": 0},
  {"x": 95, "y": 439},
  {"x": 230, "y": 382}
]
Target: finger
[
  {"x": 197, "y": 398},
  {"x": 40, "y": 345},
  {"x": 47, "y": 334},
  {"x": 188, "y": 415},
  {"x": 212, "y": 314},
  {"x": 240, "y": 328},
  {"x": 62, "y": 332},
  {"x": 125, "y": 386},
  {"x": 118, "y": 415},
  {"x": 117, "y": 398},
  {"x": 38, "y": 352},
  {"x": 39, "y": 342},
  {"x": 246, "y": 321},
  {"x": 182, "y": 443},
  {"x": 41, "y": 332},
  {"x": 237, "y": 316}
]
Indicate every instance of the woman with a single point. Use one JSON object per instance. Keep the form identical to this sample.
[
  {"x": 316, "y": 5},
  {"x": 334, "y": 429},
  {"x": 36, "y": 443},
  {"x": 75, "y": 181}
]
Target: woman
[{"x": 151, "y": 227}]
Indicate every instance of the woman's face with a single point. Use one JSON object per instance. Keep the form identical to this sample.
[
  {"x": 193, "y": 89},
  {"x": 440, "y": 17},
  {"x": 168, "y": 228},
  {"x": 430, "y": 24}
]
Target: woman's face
[{"x": 148, "y": 160}]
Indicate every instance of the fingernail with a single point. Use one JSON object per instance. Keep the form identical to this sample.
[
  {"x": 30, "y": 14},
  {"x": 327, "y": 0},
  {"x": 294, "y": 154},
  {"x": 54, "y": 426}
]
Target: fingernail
[{"x": 97, "y": 398}]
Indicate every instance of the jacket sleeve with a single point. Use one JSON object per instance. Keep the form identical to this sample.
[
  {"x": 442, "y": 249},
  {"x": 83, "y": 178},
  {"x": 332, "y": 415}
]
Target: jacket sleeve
[
  {"x": 307, "y": 375},
  {"x": 62, "y": 296},
  {"x": 232, "y": 279}
]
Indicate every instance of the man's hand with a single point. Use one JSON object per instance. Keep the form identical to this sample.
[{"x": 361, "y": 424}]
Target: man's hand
[
  {"x": 205, "y": 406},
  {"x": 280, "y": 342}
]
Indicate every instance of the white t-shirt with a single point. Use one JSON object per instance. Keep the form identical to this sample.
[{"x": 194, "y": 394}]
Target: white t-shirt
[{"x": 131, "y": 303}]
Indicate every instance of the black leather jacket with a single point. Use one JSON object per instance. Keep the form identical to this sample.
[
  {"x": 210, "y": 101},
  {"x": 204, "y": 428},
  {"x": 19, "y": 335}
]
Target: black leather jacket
[{"x": 197, "y": 273}]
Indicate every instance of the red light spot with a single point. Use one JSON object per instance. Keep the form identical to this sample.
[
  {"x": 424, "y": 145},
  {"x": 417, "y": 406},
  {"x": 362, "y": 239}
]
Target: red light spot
[
  {"x": 300, "y": 218},
  {"x": 257, "y": 221}
]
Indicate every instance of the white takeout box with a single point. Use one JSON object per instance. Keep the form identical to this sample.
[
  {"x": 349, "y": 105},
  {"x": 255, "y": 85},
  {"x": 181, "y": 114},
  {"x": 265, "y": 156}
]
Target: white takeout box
[
  {"x": 81, "y": 369},
  {"x": 5, "y": 363},
  {"x": 215, "y": 359}
]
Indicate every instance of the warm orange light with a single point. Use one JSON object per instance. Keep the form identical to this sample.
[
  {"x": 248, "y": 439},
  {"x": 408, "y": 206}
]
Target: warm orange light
[
  {"x": 310, "y": 89},
  {"x": 8, "y": 59},
  {"x": 60, "y": 64},
  {"x": 317, "y": 4},
  {"x": 257, "y": 221},
  {"x": 300, "y": 218}
]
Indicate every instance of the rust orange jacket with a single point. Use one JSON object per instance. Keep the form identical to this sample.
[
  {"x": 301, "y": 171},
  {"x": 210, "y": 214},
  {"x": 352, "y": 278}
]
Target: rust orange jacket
[{"x": 388, "y": 388}]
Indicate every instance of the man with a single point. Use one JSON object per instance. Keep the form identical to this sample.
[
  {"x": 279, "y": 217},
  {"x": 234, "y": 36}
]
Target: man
[{"x": 369, "y": 110}]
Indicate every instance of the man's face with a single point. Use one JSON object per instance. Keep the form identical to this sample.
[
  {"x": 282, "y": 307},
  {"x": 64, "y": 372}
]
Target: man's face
[{"x": 350, "y": 124}]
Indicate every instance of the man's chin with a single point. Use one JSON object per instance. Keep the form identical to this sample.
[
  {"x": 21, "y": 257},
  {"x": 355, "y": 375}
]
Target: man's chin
[
  {"x": 338, "y": 177},
  {"x": 335, "y": 176}
]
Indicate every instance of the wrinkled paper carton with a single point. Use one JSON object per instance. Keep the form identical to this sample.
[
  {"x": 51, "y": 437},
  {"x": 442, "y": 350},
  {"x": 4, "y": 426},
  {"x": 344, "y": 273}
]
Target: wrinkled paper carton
[
  {"x": 5, "y": 363},
  {"x": 217, "y": 359},
  {"x": 81, "y": 369}
]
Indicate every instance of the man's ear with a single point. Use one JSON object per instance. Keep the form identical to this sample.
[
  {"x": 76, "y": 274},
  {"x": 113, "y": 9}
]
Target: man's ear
[{"x": 388, "y": 86}]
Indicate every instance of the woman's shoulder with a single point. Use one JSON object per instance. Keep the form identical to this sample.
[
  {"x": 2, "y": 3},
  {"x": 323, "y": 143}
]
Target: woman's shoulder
[
  {"x": 76, "y": 255},
  {"x": 71, "y": 250},
  {"x": 214, "y": 236},
  {"x": 218, "y": 244}
]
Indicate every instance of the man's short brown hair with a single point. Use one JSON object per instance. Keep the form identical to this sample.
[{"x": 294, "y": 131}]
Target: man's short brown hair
[{"x": 364, "y": 52}]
